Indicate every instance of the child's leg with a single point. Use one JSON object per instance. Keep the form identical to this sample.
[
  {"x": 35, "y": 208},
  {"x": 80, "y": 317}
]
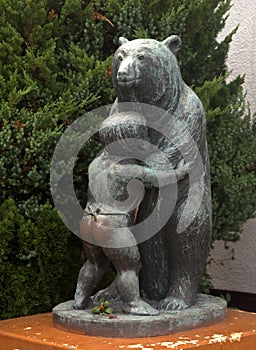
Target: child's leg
[
  {"x": 126, "y": 261},
  {"x": 90, "y": 275}
]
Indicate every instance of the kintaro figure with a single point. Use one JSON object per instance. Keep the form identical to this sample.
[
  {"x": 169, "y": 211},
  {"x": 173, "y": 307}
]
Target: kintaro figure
[
  {"x": 101, "y": 216},
  {"x": 168, "y": 267}
]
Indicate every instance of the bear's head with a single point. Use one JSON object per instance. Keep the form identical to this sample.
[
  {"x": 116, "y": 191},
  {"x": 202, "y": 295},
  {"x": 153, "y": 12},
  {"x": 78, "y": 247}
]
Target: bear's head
[{"x": 146, "y": 71}]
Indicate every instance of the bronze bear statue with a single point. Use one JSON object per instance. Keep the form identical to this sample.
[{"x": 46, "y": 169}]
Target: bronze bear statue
[{"x": 146, "y": 71}]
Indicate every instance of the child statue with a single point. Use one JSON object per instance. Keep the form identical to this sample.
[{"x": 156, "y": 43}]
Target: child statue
[{"x": 125, "y": 137}]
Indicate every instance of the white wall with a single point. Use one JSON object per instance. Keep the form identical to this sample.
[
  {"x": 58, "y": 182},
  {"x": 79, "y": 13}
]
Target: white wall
[
  {"x": 240, "y": 274},
  {"x": 242, "y": 53}
]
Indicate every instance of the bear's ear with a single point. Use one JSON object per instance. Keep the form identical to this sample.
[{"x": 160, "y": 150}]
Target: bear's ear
[
  {"x": 122, "y": 40},
  {"x": 173, "y": 43}
]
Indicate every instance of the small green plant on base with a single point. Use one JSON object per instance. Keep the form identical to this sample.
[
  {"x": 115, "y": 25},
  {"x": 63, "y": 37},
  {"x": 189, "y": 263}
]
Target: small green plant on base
[{"x": 103, "y": 309}]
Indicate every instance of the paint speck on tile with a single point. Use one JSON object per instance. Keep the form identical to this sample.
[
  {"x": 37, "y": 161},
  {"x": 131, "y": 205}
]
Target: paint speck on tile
[
  {"x": 235, "y": 336},
  {"x": 138, "y": 346},
  {"x": 218, "y": 338},
  {"x": 166, "y": 343},
  {"x": 172, "y": 345}
]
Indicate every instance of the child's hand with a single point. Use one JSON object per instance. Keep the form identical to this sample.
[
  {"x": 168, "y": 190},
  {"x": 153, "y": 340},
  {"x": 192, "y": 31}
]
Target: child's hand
[{"x": 126, "y": 172}]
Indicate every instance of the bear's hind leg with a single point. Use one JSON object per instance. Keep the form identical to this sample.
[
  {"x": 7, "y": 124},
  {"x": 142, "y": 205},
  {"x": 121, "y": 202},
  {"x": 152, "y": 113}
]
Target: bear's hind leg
[
  {"x": 190, "y": 250},
  {"x": 181, "y": 296}
]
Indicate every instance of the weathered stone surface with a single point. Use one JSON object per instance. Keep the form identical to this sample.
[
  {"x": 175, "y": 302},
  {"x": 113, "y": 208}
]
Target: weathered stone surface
[{"x": 207, "y": 310}]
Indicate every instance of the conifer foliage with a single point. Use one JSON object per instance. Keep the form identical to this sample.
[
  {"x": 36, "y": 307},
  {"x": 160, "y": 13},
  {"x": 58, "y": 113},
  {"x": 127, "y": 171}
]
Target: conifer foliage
[{"x": 56, "y": 65}]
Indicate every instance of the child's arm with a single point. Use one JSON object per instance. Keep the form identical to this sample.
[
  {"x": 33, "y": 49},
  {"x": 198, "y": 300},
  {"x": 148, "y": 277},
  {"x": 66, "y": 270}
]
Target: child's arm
[{"x": 149, "y": 176}]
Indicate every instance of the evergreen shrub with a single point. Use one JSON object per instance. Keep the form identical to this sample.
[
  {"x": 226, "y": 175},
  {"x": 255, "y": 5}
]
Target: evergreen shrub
[
  {"x": 55, "y": 66},
  {"x": 38, "y": 258}
]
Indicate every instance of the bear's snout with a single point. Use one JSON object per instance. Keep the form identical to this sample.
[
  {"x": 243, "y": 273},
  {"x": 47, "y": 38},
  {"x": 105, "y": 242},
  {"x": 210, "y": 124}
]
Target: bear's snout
[
  {"x": 127, "y": 73},
  {"x": 122, "y": 74}
]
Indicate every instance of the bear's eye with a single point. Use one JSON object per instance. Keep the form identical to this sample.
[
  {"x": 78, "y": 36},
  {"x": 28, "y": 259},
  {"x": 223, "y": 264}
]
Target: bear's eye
[
  {"x": 141, "y": 57},
  {"x": 120, "y": 58}
]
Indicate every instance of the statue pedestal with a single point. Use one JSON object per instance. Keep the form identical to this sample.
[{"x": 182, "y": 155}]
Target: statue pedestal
[
  {"x": 236, "y": 332},
  {"x": 207, "y": 310}
]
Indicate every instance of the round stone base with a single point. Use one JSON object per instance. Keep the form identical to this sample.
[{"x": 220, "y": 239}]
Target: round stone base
[{"x": 207, "y": 310}]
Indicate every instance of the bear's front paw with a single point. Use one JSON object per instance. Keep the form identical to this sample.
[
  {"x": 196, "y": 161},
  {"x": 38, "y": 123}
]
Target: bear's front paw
[{"x": 172, "y": 303}]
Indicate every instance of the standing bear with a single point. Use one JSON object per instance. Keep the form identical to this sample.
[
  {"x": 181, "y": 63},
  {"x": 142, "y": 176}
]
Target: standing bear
[{"x": 146, "y": 73}]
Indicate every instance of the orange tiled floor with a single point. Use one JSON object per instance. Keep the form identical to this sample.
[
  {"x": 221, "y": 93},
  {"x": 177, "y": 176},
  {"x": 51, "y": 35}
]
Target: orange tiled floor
[{"x": 236, "y": 332}]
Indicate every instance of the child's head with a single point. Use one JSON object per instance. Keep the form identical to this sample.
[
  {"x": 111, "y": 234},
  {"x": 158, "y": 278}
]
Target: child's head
[{"x": 124, "y": 127}]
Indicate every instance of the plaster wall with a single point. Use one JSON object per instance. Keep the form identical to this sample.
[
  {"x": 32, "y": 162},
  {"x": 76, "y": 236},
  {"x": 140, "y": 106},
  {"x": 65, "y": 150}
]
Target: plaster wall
[
  {"x": 242, "y": 53},
  {"x": 239, "y": 274}
]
